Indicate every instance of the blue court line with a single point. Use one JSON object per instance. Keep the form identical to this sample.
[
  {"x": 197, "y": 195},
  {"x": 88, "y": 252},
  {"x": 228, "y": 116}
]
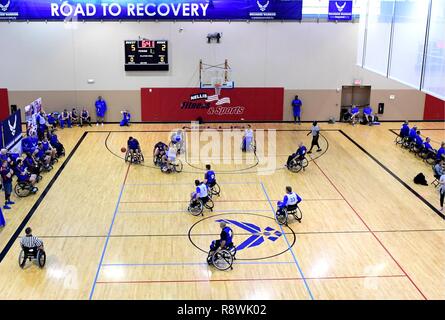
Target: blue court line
[
  {"x": 189, "y": 184},
  {"x": 287, "y": 241},
  {"x": 108, "y": 235},
  {"x": 189, "y": 263},
  {"x": 185, "y": 211}
]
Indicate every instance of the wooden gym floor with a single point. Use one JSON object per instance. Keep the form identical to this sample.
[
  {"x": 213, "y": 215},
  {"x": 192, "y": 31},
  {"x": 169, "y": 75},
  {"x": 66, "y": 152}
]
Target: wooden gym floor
[{"x": 114, "y": 231}]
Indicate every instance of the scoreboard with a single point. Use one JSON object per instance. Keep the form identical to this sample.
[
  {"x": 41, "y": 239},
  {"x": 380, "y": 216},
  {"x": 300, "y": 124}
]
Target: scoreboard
[{"x": 146, "y": 55}]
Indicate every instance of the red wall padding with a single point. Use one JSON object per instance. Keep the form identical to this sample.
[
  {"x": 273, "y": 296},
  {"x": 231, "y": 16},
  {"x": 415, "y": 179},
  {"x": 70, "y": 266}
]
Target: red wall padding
[
  {"x": 4, "y": 104},
  {"x": 249, "y": 104},
  {"x": 434, "y": 108}
]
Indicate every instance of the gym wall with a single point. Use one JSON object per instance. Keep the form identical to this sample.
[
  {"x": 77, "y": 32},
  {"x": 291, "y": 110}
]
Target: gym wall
[{"x": 54, "y": 61}]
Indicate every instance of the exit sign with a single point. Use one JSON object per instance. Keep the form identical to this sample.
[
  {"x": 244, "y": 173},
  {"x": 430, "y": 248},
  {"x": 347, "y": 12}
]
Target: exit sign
[{"x": 357, "y": 82}]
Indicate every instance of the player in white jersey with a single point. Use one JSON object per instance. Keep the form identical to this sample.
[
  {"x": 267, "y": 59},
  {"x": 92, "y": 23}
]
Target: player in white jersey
[
  {"x": 248, "y": 138},
  {"x": 201, "y": 192}
]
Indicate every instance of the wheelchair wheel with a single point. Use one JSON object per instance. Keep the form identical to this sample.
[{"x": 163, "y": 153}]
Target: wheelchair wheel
[
  {"x": 22, "y": 190},
  {"x": 281, "y": 218},
  {"x": 295, "y": 166},
  {"x": 39, "y": 178},
  {"x": 215, "y": 190},
  {"x": 178, "y": 165},
  {"x": 209, "y": 204},
  {"x": 304, "y": 163},
  {"x": 298, "y": 215},
  {"x": 430, "y": 160},
  {"x": 22, "y": 259},
  {"x": 196, "y": 209},
  {"x": 222, "y": 260},
  {"x": 399, "y": 140},
  {"x": 128, "y": 157},
  {"x": 141, "y": 158},
  {"x": 41, "y": 258}
]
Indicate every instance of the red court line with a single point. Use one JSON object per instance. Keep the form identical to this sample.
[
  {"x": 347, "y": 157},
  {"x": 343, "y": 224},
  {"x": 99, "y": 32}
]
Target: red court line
[
  {"x": 243, "y": 200},
  {"x": 248, "y": 279},
  {"x": 372, "y": 232}
]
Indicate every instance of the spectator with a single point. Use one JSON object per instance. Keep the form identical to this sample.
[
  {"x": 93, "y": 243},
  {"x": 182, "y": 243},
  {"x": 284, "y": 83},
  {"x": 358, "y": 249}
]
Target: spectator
[
  {"x": 7, "y": 173},
  {"x": 126, "y": 116},
  {"x": 296, "y": 108},
  {"x": 85, "y": 117}
]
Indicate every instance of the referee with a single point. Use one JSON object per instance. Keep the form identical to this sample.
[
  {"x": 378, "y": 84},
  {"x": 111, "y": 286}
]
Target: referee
[
  {"x": 315, "y": 132},
  {"x": 29, "y": 241}
]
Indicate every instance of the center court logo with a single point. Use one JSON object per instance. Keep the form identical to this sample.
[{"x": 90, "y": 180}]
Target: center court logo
[{"x": 4, "y": 7}]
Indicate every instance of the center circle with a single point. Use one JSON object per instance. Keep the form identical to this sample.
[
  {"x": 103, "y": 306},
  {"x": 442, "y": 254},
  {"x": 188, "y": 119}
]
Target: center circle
[{"x": 283, "y": 233}]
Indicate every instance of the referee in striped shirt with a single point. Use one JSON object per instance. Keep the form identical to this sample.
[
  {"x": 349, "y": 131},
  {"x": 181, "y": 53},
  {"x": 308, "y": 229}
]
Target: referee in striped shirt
[{"x": 29, "y": 241}]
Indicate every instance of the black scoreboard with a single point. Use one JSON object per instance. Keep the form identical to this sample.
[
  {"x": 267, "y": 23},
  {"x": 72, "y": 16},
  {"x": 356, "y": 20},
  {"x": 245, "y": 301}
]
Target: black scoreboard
[{"x": 146, "y": 55}]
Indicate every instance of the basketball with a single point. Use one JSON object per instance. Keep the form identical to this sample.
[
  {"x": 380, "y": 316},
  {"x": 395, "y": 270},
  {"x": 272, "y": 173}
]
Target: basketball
[{"x": 123, "y": 149}]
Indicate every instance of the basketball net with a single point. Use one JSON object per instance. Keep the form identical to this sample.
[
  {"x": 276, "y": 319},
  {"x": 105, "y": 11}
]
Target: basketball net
[{"x": 218, "y": 87}]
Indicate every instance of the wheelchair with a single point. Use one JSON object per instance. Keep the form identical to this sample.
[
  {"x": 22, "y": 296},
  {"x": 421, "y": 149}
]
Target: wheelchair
[
  {"x": 32, "y": 254},
  {"x": 134, "y": 157},
  {"x": 176, "y": 167},
  {"x": 296, "y": 165},
  {"x": 250, "y": 147},
  {"x": 23, "y": 188},
  {"x": 196, "y": 207},
  {"x": 222, "y": 259},
  {"x": 400, "y": 140},
  {"x": 178, "y": 145},
  {"x": 347, "y": 117},
  {"x": 214, "y": 190},
  {"x": 429, "y": 156},
  {"x": 282, "y": 215}
]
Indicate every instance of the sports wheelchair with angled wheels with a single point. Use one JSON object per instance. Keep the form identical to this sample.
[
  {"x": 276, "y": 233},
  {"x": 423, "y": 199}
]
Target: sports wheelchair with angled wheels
[
  {"x": 282, "y": 214},
  {"x": 214, "y": 190},
  {"x": 23, "y": 188},
  {"x": 221, "y": 259},
  {"x": 32, "y": 254},
  {"x": 176, "y": 166},
  {"x": 296, "y": 165},
  {"x": 250, "y": 147},
  {"x": 134, "y": 157},
  {"x": 196, "y": 206}
]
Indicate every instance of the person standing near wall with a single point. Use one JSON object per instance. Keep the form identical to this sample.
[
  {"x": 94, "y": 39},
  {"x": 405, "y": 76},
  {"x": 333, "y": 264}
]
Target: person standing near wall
[
  {"x": 296, "y": 107},
  {"x": 101, "y": 109},
  {"x": 315, "y": 132}
]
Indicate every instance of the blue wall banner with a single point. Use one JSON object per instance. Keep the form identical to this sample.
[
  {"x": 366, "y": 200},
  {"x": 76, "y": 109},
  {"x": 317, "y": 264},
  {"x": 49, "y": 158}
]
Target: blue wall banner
[
  {"x": 12, "y": 129},
  {"x": 340, "y": 10},
  {"x": 61, "y": 10}
]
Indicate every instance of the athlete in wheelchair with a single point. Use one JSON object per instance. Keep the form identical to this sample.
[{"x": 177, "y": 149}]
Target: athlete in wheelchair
[
  {"x": 248, "y": 143},
  {"x": 210, "y": 181},
  {"x": 159, "y": 150},
  {"x": 403, "y": 136},
  {"x": 289, "y": 206},
  {"x": 25, "y": 181},
  {"x": 169, "y": 162},
  {"x": 297, "y": 161},
  {"x": 200, "y": 199},
  {"x": 222, "y": 252},
  {"x": 177, "y": 140},
  {"x": 133, "y": 154},
  {"x": 32, "y": 249}
]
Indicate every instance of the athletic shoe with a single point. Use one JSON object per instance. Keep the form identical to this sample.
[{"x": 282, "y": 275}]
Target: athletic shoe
[
  {"x": 309, "y": 152},
  {"x": 102, "y": 124},
  {"x": 318, "y": 150},
  {"x": 10, "y": 202},
  {"x": 6, "y": 207},
  {"x": 97, "y": 124}
]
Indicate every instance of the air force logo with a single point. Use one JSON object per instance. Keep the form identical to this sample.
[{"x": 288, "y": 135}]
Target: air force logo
[
  {"x": 4, "y": 7},
  {"x": 340, "y": 8},
  {"x": 262, "y": 7},
  {"x": 12, "y": 127}
]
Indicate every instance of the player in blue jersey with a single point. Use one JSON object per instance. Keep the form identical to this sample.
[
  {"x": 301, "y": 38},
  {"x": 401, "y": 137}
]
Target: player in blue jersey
[
  {"x": 225, "y": 240},
  {"x": 65, "y": 118},
  {"x": 133, "y": 146},
  {"x": 48, "y": 148},
  {"x": 126, "y": 116},
  {"x": 40, "y": 155},
  {"x": 298, "y": 155},
  {"x": 209, "y": 177},
  {"x": 290, "y": 200},
  {"x": 85, "y": 117},
  {"x": 412, "y": 134},
  {"x": 29, "y": 144},
  {"x": 368, "y": 115},
  {"x": 419, "y": 141},
  {"x": 23, "y": 174},
  {"x": 404, "y": 131}
]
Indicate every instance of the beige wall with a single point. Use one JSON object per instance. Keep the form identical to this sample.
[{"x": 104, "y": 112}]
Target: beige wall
[{"x": 317, "y": 104}]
